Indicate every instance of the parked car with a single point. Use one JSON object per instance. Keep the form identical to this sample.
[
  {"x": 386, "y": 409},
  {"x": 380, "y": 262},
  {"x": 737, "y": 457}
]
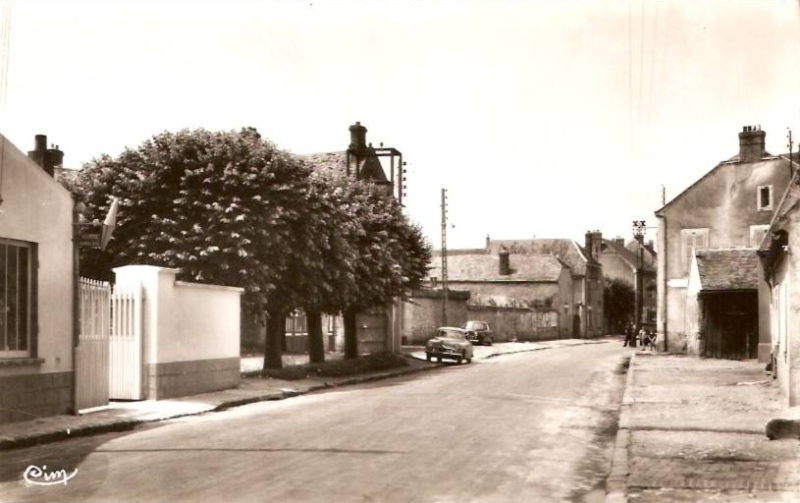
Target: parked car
[
  {"x": 451, "y": 343},
  {"x": 479, "y": 332}
]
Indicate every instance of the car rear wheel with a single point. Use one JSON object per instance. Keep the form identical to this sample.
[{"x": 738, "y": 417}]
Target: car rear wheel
[
  {"x": 439, "y": 359},
  {"x": 489, "y": 342},
  {"x": 428, "y": 356}
]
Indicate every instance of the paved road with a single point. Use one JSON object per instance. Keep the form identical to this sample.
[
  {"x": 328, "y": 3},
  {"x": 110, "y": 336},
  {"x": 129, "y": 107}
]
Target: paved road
[{"x": 518, "y": 428}]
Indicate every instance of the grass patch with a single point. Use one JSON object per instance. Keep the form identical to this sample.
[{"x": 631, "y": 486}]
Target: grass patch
[
  {"x": 293, "y": 373},
  {"x": 363, "y": 365},
  {"x": 340, "y": 368}
]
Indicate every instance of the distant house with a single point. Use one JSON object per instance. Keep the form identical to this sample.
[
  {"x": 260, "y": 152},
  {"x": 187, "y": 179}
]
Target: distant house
[
  {"x": 586, "y": 305},
  {"x": 527, "y": 297},
  {"x": 730, "y": 207},
  {"x": 37, "y": 301},
  {"x": 780, "y": 261},
  {"x": 625, "y": 262},
  {"x": 379, "y": 328}
]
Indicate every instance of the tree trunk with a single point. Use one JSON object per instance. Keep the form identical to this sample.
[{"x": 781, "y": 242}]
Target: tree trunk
[
  {"x": 350, "y": 334},
  {"x": 276, "y": 330},
  {"x": 316, "y": 343}
]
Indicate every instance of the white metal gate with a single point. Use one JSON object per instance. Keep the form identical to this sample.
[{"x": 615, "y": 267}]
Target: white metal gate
[
  {"x": 126, "y": 343},
  {"x": 91, "y": 355}
]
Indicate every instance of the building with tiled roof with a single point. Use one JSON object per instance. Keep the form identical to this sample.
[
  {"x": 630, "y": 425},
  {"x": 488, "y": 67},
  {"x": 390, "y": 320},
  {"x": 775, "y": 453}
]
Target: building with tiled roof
[
  {"x": 729, "y": 207},
  {"x": 523, "y": 297},
  {"x": 780, "y": 263},
  {"x": 587, "y": 274}
]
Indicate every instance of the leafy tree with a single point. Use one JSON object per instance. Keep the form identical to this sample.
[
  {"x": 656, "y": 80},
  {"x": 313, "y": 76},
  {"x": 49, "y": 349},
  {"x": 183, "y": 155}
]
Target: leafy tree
[
  {"x": 393, "y": 258},
  {"x": 223, "y": 207},
  {"x": 618, "y": 303}
]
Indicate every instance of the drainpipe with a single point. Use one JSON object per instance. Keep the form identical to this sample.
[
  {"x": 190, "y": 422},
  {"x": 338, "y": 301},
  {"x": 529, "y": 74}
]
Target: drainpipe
[
  {"x": 76, "y": 305},
  {"x": 662, "y": 258}
]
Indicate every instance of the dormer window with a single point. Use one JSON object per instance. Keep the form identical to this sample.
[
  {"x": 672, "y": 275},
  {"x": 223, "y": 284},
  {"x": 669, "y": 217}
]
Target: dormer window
[{"x": 765, "y": 197}]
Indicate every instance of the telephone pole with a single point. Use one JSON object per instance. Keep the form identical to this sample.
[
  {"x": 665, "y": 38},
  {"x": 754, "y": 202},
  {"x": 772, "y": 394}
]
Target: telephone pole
[
  {"x": 444, "y": 257},
  {"x": 639, "y": 229}
]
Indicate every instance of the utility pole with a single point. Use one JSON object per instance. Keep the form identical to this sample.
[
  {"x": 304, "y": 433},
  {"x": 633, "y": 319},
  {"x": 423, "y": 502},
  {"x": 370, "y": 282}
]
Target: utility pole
[
  {"x": 663, "y": 195},
  {"x": 639, "y": 229},
  {"x": 444, "y": 257},
  {"x": 791, "y": 145}
]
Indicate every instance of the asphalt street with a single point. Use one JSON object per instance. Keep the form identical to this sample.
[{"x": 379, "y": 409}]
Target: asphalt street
[{"x": 526, "y": 427}]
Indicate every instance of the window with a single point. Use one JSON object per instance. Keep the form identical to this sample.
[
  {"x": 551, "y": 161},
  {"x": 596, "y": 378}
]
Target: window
[
  {"x": 16, "y": 298},
  {"x": 765, "y": 197},
  {"x": 757, "y": 233},
  {"x": 692, "y": 239}
]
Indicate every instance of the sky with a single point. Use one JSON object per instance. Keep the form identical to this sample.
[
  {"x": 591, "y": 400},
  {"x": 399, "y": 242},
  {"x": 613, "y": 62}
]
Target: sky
[{"x": 541, "y": 119}]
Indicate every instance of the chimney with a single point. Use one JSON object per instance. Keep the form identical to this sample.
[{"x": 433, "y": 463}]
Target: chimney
[
  {"x": 358, "y": 140},
  {"x": 639, "y": 238},
  {"x": 48, "y": 159},
  {"x": 594, "y": 240},
  {"x": 619, "y": 240},
  {"x": 751, "y": 144},
  {"x": 505, "y": 263}
]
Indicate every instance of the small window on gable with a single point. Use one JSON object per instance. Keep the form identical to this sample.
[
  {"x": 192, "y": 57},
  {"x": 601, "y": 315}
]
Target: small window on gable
[{"x": 765, "y": 197}]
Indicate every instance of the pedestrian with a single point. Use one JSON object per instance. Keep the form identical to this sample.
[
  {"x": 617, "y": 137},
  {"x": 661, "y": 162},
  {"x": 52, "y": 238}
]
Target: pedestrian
[{"x": 628, "y": 334}]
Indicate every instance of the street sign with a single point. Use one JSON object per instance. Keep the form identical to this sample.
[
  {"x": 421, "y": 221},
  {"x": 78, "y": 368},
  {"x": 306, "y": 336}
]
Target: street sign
[{"x": 90, "y": 239}]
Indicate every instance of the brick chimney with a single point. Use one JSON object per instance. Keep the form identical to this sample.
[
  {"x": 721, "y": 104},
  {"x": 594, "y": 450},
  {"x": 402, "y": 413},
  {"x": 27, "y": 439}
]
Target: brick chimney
[
  {"x": 619, "y": 240},
  {"x": 751, "y": 144},
  {"x": 358, "y": 140},
  {"x": 505, "y": 262},
  {"x": 594, "y": 240},
  {"x": 48, "y": 159}
]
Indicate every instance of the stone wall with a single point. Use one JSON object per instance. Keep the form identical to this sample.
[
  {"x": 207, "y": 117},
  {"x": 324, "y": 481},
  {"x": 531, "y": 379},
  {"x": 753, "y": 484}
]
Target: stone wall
[
  {"x": 520, "y": 324},
  {"x": 28, "y": 396}
]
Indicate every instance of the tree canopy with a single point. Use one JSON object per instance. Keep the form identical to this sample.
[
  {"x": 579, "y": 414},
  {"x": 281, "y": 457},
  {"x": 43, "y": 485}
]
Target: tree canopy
[{"x": 231, "y": 208}]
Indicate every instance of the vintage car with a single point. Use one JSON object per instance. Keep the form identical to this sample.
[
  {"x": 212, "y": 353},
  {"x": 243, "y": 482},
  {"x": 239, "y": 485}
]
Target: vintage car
[
  {"x": 479, "y": 332},
  {"x": 449, "y": 342}
]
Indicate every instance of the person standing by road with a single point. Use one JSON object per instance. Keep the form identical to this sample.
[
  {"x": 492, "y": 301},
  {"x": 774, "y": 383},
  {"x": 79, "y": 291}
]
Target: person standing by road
[{"x": 628, "y": 334}]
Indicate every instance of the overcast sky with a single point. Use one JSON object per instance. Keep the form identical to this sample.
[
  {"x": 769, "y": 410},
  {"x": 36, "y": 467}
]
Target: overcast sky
[{"x": 542, "y": 119}]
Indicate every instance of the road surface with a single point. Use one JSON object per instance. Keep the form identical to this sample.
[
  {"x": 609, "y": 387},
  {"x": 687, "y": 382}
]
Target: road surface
[{"x": 529, "y": 427}]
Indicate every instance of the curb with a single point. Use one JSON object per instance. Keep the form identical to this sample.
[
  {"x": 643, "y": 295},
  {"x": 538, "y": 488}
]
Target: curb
[
  {"x": 130, "y": 424},
  {"x": 617, "y": 482}
]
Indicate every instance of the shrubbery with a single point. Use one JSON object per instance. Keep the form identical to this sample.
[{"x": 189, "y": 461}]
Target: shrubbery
[{"x": 340, "y": 368}]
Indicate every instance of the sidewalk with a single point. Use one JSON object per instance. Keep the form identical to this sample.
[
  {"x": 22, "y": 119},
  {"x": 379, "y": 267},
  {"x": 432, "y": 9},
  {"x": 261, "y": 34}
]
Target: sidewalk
[
  {"x": 693, "y": 430},
  {"x": 121, "y": 416}
]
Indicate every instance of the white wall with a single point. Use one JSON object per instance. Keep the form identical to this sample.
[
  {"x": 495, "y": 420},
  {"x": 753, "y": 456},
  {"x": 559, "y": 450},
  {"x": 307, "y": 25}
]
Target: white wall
[
  {"x": 37, "y": 209},
  {"x": 185, "y": 321}
]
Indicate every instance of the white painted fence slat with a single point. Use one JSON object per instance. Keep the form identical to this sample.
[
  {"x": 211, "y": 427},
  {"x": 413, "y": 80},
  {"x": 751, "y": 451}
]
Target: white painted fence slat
[{"x": 126, "y": 343}]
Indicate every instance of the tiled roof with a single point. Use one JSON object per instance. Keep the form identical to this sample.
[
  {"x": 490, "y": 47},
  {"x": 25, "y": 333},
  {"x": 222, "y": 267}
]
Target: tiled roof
[
  {"x": 334, "y": 164},
  {"x": 731, "y": 269},
  {"x": 484, "y": 267},
  {"x": 565, "y": 250},
  {"x": 629, "y": 256}
]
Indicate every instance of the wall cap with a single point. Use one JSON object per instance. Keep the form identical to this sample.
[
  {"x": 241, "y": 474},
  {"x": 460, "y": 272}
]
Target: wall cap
[{"x": 209, "y": 287}]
